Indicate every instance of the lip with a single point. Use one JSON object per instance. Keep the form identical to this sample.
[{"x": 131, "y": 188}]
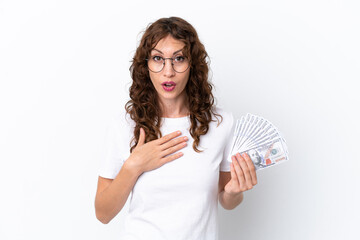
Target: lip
[
  {"x": 170, "y": 82},
  {"x": 169, "y": 89}
]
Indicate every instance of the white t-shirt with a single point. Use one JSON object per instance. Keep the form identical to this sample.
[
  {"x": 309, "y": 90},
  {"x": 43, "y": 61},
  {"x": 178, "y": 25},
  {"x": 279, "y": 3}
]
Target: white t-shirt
[{"x": 179, "y": 200}]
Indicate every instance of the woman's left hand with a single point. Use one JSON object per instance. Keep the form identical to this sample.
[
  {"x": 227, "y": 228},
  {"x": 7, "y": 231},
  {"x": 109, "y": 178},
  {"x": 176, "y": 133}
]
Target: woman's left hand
[{"x": 243, "y": 175}]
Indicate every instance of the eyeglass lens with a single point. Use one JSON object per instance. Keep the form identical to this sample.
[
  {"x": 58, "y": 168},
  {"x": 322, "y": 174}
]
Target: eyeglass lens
[{"x": 156, "y": 63}]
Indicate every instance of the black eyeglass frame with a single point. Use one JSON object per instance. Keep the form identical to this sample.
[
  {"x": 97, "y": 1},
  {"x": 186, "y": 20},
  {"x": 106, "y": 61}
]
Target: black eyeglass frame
[{"x": 172, "y": 64}]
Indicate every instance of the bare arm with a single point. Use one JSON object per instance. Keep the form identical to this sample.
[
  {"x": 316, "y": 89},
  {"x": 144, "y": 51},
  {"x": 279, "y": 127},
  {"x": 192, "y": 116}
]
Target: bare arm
[
  {"x": 230, "y": 202},
  {"x": 227, "y": 201},
  {"x": 242, "y": 178},
  {"x": 112, "y": 195}
]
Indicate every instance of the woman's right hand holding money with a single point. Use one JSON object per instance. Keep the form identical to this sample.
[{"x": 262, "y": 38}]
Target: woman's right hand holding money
[{"x": 151, "y": 155}]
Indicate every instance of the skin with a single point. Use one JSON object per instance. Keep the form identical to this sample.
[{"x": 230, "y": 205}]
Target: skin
[
  {"x": 112, "y": 193},
  {"x": 173, "y": 104},
  {"x": 242, "y": 175},
  {"x": 233, "y": 184}
]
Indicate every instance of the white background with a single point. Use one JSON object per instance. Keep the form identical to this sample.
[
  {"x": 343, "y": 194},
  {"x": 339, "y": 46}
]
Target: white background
[{"x": 64, "y": 70}]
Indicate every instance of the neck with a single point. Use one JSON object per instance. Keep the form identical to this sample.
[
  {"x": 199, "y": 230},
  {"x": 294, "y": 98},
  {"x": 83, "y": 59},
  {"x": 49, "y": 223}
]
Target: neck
[{"x": 174, "y": 108}]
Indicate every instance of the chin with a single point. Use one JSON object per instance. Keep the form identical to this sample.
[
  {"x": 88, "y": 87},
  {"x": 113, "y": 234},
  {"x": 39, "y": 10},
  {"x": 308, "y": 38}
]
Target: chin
[{"x": 170, "y": 95}]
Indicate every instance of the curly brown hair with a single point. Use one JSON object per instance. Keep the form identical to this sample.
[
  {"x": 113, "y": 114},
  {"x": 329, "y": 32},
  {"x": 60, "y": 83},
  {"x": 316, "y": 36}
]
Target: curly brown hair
[{"x": 143, "y": 105}]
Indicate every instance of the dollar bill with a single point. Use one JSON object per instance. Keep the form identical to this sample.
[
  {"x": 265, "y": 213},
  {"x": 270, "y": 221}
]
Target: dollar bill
[
  {"x": 261, "y": 140},
  {"x": 268, "y": 155}
]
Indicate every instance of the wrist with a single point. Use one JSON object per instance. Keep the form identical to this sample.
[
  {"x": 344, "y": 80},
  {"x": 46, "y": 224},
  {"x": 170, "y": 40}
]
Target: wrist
[
  {"x": 132, "y": 168},
  {"x": 230, "y": 200},
  {"x": 238, "y": 194}
]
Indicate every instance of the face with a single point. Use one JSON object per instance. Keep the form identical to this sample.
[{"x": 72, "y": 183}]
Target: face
[{"x": 169, "y": 47}]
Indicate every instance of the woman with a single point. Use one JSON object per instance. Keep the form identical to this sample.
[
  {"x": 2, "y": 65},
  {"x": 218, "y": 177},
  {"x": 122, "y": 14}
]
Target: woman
[{"x": 167, "y": 148}]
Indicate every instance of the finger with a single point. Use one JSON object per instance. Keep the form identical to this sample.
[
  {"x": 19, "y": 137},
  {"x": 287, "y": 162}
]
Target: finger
[
  {"x": 245, "y": 170},
  {"x": 232, "y": 171},
  {"x": 174, "y": 142},
  {"x": 171, "y": 157},
  {"x": 239, "y": 173},
  {"x": 141, "y": 137},
  {"x": 168, "y": 137},
  {"x": 251, "y": 167},
  {"x": 173, "y": 149}
]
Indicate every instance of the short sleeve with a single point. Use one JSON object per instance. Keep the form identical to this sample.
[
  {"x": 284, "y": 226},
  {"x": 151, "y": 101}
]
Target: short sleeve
[
  {"x": 225, "y": 163},
  {"x": 112, "y": 160}
]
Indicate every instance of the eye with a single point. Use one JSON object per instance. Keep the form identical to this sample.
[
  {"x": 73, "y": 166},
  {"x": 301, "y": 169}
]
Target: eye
[
  {"x": 179, "y": 59},
  {"x": 157, "y": 58}
]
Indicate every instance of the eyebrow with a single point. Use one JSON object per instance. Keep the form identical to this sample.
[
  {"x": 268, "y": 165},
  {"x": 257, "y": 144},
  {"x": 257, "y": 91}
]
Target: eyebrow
[{"x": 163, "y": 53}]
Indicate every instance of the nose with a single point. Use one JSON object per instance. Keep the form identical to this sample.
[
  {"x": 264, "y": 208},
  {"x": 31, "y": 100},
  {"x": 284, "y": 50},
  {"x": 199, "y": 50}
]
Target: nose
[{"x": 168, "y": 70}]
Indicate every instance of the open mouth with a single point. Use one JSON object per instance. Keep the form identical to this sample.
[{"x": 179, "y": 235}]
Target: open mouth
[{"x": 168, "y": 86}]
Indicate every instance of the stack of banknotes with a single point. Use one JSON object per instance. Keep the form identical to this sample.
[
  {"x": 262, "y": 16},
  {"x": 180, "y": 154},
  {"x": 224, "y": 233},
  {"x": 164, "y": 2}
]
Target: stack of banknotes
[{"x": 261, "y": 140}]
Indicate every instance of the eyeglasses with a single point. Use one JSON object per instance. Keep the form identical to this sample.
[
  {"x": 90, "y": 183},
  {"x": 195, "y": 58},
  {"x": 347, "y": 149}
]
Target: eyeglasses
[{"x": 156, "y": 63}]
